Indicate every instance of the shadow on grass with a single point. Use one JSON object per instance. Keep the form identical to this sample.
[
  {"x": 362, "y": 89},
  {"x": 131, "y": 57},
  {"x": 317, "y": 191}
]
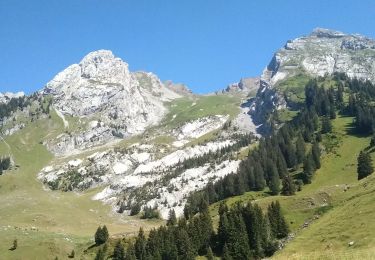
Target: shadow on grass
[{"x": 351, "y": 129}]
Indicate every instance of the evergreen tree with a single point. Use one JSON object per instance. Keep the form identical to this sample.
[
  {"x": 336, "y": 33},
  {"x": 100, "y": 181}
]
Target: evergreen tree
[
  {"x": 100, "y": 255},
  {"x": 288, "y": 186},
  {"x": 300, "y": 149},
  {"x": 364, "y": 166},
  {"x": 119, "y": 251},
  {"x": 140, "y": 245},
  {"x": 279, "y": 227},
  {"x": 226, "y": 254},
  {"x": 372, "y": 142},
  {"x": 308, "y": 169},
  {"x": 101, "y": 235},
  {"x": 326, "y": 125},
  {"x": 315, "y": 150},
  {"x": 274, "y": 182},
  {"x": 184, "y": 245},
  {"x": 172, "y": 219},
  {"x": 210, "y": 254}
]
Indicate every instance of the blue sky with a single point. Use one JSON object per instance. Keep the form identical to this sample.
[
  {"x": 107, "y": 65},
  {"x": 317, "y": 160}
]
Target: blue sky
[{"x": 205, "y": 44}]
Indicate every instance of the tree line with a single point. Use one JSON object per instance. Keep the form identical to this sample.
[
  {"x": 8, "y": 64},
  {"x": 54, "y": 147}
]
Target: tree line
[
  {"x": 293, "y": 146},
  {"x": 244, "y": 232}
]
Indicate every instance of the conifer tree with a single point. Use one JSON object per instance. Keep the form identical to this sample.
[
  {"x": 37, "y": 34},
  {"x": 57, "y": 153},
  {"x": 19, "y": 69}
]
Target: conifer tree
[
  {"x": 101, "y": 235},
  {"x": 226, "y": 254},
  {"x": 308, "y": 169},
  {"x": 274, "y": 182},
  {"x": 119, "y": 251},
  {"x": 326, "y": 125},
  {"x": 278, "y": 224},
  {"x": 100, "y": 255},
  {"x": 140, "y": 245},
  {"x": 172, "y": 219},
  {"x": 210, "y": 254},
  {"x": 364, "y": 166},
  {"x": 315, "y": 150},
  {"x": 300, "y": 149},
  {"x": 288, "y": 187}
]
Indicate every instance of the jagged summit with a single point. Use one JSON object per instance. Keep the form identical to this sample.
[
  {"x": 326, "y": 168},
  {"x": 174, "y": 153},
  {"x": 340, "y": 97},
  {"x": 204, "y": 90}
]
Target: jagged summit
[
  {"x": 101, "y": 88},
  {"x": 323, "y": 32}
]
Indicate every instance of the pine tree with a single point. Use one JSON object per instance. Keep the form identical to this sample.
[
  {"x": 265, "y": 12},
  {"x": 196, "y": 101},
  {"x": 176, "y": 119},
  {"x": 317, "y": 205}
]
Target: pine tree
[
  {"x": 308, "y": 169},
  {"x": 300, "y": 149},
  {"x": 210, "y": 254},
  {"x": 289, "y": 187},
  {"x": 140, "y": 245},
  {"x": 279, "y": 227},
  {"x": 326, "y": 125},
  {"x": 315, "y": 150},
  {"x": 226, "y": 255},
  {"x": 101, "y": 235},
  {"x": 372, "y": 142},
  {"x": 184, "y": 245},
  {"x": 172, "y": 219},
  {"x": 119, "y": 251},
  {"x": 274, "y": 182},
  {"x": 364, "y": 166},
  {"x": 100, "y": 255}
]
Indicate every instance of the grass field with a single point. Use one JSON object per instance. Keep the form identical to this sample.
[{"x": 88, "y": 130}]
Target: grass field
[
  {"x": 343, "y": 216},
  {"x": 45, "y": 223}
]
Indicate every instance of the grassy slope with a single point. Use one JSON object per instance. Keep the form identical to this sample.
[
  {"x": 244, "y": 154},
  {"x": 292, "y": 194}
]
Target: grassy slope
[
  {"x": 347, "y": 214},
  {"x": 63, "y": 220}
]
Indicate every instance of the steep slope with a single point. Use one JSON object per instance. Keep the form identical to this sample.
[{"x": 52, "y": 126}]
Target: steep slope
[
  {"x": 323, "y": 52},
  {"x": 112, "y": 101}
]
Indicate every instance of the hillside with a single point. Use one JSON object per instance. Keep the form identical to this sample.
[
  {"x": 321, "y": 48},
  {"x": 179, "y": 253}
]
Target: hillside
[{"x": 102, "y": 145}]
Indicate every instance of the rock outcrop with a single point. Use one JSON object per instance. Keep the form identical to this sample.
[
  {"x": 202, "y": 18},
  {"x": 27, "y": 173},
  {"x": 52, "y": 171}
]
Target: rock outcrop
[
  {"x": 321, "y": 53},
  {"x": 102, "y": 89}
]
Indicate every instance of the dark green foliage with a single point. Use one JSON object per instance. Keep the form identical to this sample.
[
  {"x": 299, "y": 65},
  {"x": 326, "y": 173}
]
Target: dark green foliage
[
  {"x": 308, "y": 169},
  {"x": 288, "y": 187},
  {"x": 135, "y": 209},
  {"x": 210, "y": 254},
  {"x": 118, "y": 251},
  {"x": 364, "y": 167},
  {"x": 279, "y": 227},
  {"x": 4, "y": 163},
  {"x": 101, "y": 235},
  {"x": 326, "y": 125},
  {"x": 6, "y": 109},
  {"x": 172, "y": 220},
  {"x": 150, "y": 212},
  {"x": 315, "y": 151},
  {"x": 140, "y": 245},
  {"x": 274, "y": 180},
  {"x": 300, "y": 149},
  {"x": 372, "y": 142},
  {"x": 100, "y": 255}
]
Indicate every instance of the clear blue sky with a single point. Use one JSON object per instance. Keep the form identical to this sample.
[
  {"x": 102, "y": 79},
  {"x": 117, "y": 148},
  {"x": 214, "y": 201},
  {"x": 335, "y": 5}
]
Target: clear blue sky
[{"x": 205, "y": 44}]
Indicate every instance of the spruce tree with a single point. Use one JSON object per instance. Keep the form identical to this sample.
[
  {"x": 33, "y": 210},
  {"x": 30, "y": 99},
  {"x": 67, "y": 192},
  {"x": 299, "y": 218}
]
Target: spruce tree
[
  {"x": 289, "y": 187},
  {"x": 226, "y": 255},
  {"x": 101, "y": 235},
  {"x": 300, "y": 149},
  {"x": 372, "y": 142},
  {"x": 364, "y": 166},
  {"x": 210, "y": 254},
  {"x": 308, "y": 169},
  {"x": 119, "y": 251},
  {"x": 279, "y": 227},
  {"x": 100, "y": 255},
  {"x": 172, "y": 219},
  {"x": 274, "y": 182},
  {"x": 315, "y": 150},
  {"x": 326, "y": 125},
  {"x": 140, "y": 245}
]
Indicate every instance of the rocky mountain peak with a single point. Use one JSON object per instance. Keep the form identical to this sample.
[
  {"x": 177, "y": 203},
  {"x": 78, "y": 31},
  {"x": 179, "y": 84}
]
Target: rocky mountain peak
[{"x": 326, "y": 33}]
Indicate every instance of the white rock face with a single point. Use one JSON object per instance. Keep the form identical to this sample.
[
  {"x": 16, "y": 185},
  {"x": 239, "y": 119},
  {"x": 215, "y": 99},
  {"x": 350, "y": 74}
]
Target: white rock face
[
  {"x": 101, "y": 86},
  {"x": 5, "y": 97},
  {"x": 322, "y": 52},
  {"x": 200, "y": 127}
]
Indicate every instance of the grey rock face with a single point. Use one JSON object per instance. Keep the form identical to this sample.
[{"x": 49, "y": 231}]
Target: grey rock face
[
  {"x": 101, "y": 87},
  {"x": 320, "y": 53}
]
